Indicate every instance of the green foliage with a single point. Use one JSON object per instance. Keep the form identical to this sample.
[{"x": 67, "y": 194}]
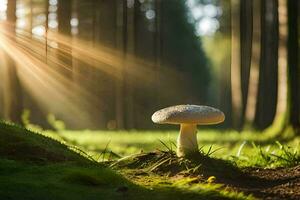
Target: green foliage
[
  {"x": 25, "y": 117},
  {"x": 58, "y": 125},
  {"x": 219, "y": 63},
  {"x": 182, "y": 49},
  {"x": 271, "y": 156}
]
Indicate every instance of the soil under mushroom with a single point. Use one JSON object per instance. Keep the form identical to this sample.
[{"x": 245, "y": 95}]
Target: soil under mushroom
[{"x": 281, "y": 183}]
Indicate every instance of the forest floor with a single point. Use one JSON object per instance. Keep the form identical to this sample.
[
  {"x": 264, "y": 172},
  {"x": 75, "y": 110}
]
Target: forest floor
[
  {"x": 113, "y": 165},
  {"x": 279, "y": 183}
]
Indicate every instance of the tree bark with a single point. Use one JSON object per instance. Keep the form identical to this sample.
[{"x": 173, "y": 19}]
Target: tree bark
[
  {"x": 129, "y": 30},
  {"x": 119, "y": 102},
  {"x": 255, "y": 60},
  {"x": 1, "y": 85},
  {"x": 282, "y": 62},
  {"x": 158, "y": 44},
  {"x": 225, "y": 96},
  {"x": 268, "y": 73},
  {"x": 236, "y": 64},
  {"x": 246, "y": 25},
  {"x": 64, "y": 52},
  {"x": 293, "y": 66}
]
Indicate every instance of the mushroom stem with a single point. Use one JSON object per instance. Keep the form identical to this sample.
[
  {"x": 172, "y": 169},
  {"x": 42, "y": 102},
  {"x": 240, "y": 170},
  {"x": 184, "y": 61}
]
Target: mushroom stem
[{"x": 187, "y": 139}]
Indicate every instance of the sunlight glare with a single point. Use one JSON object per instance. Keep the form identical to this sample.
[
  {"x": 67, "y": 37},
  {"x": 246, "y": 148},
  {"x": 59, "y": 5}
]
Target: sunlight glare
[
  {"x": 150, "y": 14},
  {"x": 74, "y": 22},
  {"x": 21, "y": 23},
  {"x": 210, "y": 10},
  {"x": 53, "y": 44},
  {"x": 3, "y": 7},
  {"x": 207, "y": 26},
  {"x": 53, "y": 24},
  {"x": 22, "y": 12},
  {"x": 39, "y": 30},
  {"x": 52, "y": 8},
  {"x": 53, "y": 2}
]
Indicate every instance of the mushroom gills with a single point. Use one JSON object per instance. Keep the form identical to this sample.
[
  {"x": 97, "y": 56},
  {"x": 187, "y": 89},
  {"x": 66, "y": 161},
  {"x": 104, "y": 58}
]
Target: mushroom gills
[{"x": 187, "y": 139}]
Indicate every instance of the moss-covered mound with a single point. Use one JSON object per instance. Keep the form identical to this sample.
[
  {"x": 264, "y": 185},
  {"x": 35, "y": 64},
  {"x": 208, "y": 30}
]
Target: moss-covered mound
[
  {"x": 33, "y": 166},
  {"x": 166, "y": 162},
  {"x": 17, "y": 143}
]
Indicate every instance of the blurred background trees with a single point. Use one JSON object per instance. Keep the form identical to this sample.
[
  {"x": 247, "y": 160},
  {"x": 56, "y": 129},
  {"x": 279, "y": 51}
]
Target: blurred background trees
[{"x": 110, "y": 64}]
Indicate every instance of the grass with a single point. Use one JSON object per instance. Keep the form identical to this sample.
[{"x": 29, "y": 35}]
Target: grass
[
  {"x": 246, "y": 149},
  {"x": 271, "y": 156},
  {"x": 33, "y": 166}
]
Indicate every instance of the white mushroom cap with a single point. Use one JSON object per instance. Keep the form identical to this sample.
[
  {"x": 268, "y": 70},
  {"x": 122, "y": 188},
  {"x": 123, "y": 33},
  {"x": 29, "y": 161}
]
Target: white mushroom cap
[{"x": 188, "y": 114}]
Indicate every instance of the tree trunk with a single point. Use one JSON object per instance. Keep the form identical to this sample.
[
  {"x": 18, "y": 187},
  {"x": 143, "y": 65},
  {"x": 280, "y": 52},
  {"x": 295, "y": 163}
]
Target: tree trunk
[
  {"x": 293, "y": 66},
  {"x": 255, "y": 60},
  {"x": 119, "y": 102},
  {"x": 282, "y": 61},
  {"x": 225, "y": 96},
  {"x": 236, "y": 64},
  {"x": 1, "y": 85},
  {"x": 158, "y": 46},
  {"x": 268, "y": 73},
  {"x": 246, "y": 25},
  {"x": 64, "y": 52},
  {"x": 129, "y": 22}
]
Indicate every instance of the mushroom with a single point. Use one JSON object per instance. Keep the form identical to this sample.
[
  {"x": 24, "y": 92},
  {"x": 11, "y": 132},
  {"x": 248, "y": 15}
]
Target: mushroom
[{"x": 188, "y": 116}]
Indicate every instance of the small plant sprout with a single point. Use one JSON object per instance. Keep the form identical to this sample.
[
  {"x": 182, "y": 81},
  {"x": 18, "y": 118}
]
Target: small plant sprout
[{"x": 188, "y": 116}]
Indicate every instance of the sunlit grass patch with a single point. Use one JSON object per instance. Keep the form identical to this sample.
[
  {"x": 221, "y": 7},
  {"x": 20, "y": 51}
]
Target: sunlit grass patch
[
  {"x": 268, "y": 156},
  {"x": 242, "y": 148},
  {"x": 187, "y": 185}
]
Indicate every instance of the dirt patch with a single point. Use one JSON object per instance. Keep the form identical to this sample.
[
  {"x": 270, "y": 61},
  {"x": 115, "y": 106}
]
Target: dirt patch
[
  {"x": 282, "y": 183},
  {"x": 279, "y": 183}
]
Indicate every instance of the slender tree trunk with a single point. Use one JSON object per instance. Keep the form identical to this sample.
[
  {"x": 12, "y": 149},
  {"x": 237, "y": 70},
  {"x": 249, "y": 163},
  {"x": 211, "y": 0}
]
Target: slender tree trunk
[
  {"x": 1, "y": 85},
  {"x": 129, "y": 22},
  {"x": 236, "y": 64},
  {"x": 64, "y": 11},
  {"x": 225, "y": 96},
  {"x": 108, "y": 33},
  {"x": 293, "y": 66},
  {"x": 255, "y": 60},
  {"x": 46, "y": 29},
  {"x": 246, "y": 25},
  {"x": 268, "y": 73},
  {"x": 282, "y": 61},
  {"x": 82, "y": 72},
  {"x": 13, "y": 93},
  {"x": 119, "y": 105},
  {"x": 158, "y": 46}
]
